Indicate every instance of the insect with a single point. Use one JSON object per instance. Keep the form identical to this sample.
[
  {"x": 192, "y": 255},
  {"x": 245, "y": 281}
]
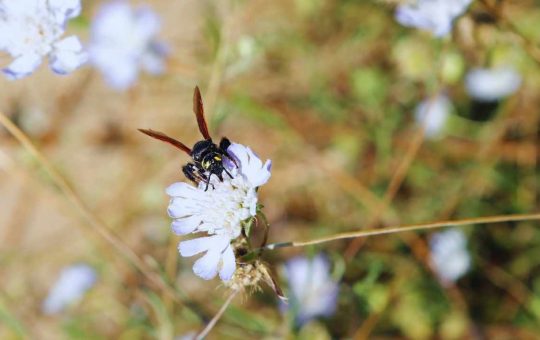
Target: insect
[{"x": 207, "y": 156}]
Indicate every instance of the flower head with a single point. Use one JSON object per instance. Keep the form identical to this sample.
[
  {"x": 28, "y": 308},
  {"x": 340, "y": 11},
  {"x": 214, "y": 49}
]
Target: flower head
[
  {"x": 432, "y": 114},
  {"x": 72, "y": 284},
  {"x": 435, "y": 16},
  {"x": 449, "y": 254},
  {"x": 124, "y": 40},
  {"x": 489, "y": 85},
  {"x": 218, "y": 212},
  {"x": 312, "y": 291},
  {"x": 31, "y": 30}
]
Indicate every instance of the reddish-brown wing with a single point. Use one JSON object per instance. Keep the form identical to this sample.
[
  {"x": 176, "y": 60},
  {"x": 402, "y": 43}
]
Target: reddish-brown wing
[
  {"x": 198, "y": 108},
  {"x": 163, "y": 137}
]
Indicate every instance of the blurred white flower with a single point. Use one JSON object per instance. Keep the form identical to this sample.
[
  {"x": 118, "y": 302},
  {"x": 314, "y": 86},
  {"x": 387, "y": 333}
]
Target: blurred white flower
[
  {"x": 435, "y": 16},
  {"x": 489, "y": 85},
  {"x": 432, "y": 114},
  {"x": 312, "y": 291},
  {"x": 124, "y": 40},
  {"x": 70, "y": 287},
  {"x": 187, "y": 336},
  {"x": 31, "y": 30},
  {"x": 218, "y": 211},
  {"x": 449, "y": 254}
]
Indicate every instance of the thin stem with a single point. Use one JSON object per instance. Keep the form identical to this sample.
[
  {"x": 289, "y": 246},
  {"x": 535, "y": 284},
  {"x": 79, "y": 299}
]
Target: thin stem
[
  {"x": 216, "y": 318},
  {"x": 92, "y": 221},
  {"x": 528, "y": 45},
  {"x": 412, "y": 227}
]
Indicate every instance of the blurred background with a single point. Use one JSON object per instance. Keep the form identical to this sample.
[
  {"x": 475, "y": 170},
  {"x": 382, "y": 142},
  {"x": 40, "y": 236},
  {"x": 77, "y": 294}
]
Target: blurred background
[{"x": 329, "y": 91}]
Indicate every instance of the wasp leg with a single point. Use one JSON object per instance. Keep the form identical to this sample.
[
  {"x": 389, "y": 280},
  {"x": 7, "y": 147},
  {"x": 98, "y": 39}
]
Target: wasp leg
[
  {"x": 208, "y": 183},
  {"x": 228, "y": 173},
  {"x": 203, "y": 177},
  {"x": 223, "y": 146},
  {"x": 189, "y": 171}
]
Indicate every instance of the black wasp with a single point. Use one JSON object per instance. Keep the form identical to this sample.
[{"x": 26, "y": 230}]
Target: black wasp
[{"x": 207, "y": 156}]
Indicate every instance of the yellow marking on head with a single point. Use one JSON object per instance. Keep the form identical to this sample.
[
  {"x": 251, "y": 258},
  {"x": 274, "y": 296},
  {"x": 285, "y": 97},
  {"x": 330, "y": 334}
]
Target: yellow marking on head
[
  {"x": 217, "y": 158},
  {"x": 206, "y": 164}
]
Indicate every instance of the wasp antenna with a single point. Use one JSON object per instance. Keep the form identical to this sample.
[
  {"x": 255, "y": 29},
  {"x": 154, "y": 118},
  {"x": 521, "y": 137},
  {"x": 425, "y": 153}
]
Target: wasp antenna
[
  {"x": 164, "y": 138},
  {"x": 198, "y": 108}
]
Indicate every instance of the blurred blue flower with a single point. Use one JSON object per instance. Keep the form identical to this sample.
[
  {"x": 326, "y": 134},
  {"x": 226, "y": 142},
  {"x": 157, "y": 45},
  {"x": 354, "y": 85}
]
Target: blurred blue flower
[
  {"x": 449, "y": 254},
  {"x": 432, "y": 114},
  {"x": 124, "y": 40},
  {"x": 435, "y": 16},
  {"x": 489, "y": 85},
  {"x": 73, "y": 283},
  {"x": 312, "y": 292},
  {"x": 31, "y": 30}
]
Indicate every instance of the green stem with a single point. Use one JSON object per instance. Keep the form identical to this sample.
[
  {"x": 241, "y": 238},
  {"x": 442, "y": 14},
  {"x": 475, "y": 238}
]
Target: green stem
[{"x": 398, "y": 229}]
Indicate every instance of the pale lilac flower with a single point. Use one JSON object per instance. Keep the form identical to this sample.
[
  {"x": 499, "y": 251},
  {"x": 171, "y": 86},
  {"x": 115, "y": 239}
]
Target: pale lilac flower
[
  {"x": 432, "y": 114},
  {"x": 488, "y": 85},
  {"x": 449, "y": 254},
  {"x": 435, "y": 16},
  {"x": 32, "y": 29},
  {"x": 188, "y": 336},
  {"x": 218, "y": 212},
  {"x": 312, "y": 292},
  {"x": 124, "y": 40},
  {"x": 73, "y": 283}
]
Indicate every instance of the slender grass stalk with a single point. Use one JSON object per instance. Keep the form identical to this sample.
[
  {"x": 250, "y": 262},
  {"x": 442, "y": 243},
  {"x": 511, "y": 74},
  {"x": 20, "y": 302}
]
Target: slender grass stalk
[
  {"x": 92, "y": 221},
  {"x": 216, "y": 318},
  {"x": 412, "y": 227},
  {"x": 529, "y": 45}
]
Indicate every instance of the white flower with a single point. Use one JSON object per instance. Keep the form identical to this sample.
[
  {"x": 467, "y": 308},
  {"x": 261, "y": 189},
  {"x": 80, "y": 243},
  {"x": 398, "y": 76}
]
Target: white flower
[
  {"x": 432, "y": 114},
  {"x": 312, "y": 291},
  {"x": 218, "y": 211},
  {"x": 123, "y": 39},
  {"x": 72, "y": 284},
  {"x": 489, "y": 85},
  {"x": 31, "y": 30},
  {"x": 435, "y": 16},
  {"x": 449, "y": 254},
  {"x": 219, "y": 256}
]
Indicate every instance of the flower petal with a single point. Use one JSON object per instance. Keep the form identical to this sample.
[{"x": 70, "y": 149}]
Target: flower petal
[
  {"x": 432, "y": 114},
  {"x": 180, "y": 207},
  {"x": 207, "y": 266},
  {"x": 186, "y": 225},
  {"x": 65, "y": 9},
  {"x": 146, "y": 22},
  {"x": 152, "y": 60},
  {"x": 488, "y": 85},
  {"x": 180, "y": 189},
  {"x": 198, "y": 245},
  {"x": 70, "y": 287},
  {"x": 228, "y": 264},
  {"x": 68, "y": 55},
  {"x": 194, "y": 246},
  {"x": 250, "y": 165},
  {"x": 22, "y": 66},
  {"x": 123, "y": 77}
]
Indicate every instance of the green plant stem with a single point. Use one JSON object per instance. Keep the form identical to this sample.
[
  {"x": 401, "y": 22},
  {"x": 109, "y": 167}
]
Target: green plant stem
[
  {"x": 412, "y": 227},
  {"x": 216, "y": 318}
]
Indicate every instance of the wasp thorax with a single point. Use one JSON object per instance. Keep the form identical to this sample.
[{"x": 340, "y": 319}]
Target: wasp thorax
[{"x": 203, "y": 148}]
